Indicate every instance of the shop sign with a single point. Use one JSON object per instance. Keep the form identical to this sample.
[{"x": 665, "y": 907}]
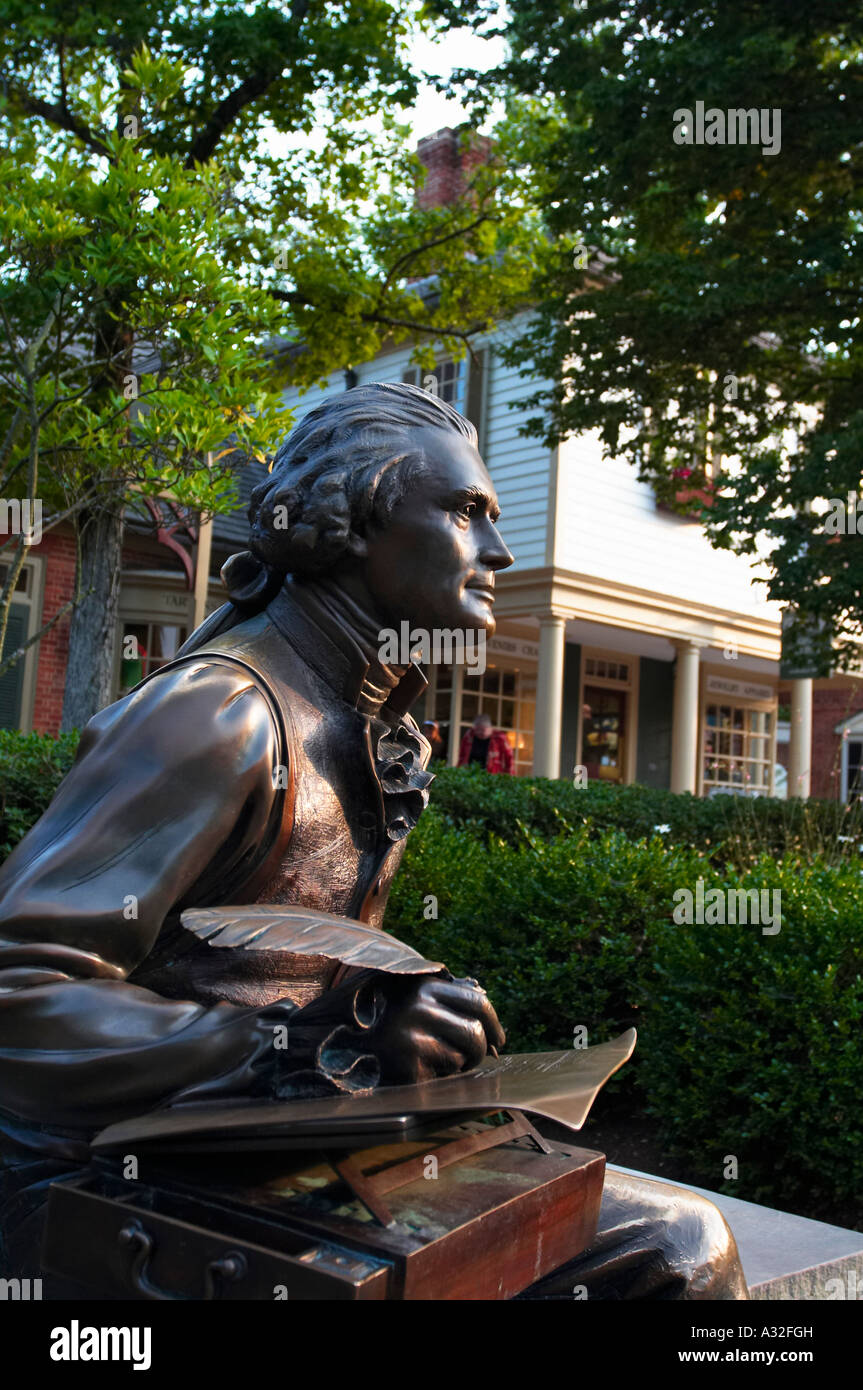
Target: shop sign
[
  {"x": 738, "y": 689},
  {"x": 513, "y": 646}
]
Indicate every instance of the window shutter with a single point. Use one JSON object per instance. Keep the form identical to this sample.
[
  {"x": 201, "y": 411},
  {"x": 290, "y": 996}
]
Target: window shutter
[
  {"x": 475, "y": 393},
  {"x": 12, "y": 680}
]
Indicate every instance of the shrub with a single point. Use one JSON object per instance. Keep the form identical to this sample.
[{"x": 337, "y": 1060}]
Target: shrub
[
  {"x": 31, "y": 768},
  {"x": 554, "y": 928},
  {"x": 730, "y": 829},
  {"x": 748, "y": 1043},
  {"x": 752, "y": 1045}
]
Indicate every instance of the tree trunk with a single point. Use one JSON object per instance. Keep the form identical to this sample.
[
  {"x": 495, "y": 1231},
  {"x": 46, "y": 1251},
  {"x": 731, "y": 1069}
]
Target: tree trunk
[{"x": 93, "y": 632}]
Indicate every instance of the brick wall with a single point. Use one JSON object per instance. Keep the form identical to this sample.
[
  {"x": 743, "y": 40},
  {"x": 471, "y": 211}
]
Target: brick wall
[
  {"x": 830, "y": 705},
  {"x": 57, "y": 551}
]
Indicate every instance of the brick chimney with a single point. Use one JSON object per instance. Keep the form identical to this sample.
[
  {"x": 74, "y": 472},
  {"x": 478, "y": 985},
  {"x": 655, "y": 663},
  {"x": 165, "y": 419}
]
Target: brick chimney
[{"x": 450, "y": 157}]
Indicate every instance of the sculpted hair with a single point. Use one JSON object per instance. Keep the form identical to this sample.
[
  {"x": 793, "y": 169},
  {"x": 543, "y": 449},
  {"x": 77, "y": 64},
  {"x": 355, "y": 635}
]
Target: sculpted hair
[{"x": 345, "y": 467}]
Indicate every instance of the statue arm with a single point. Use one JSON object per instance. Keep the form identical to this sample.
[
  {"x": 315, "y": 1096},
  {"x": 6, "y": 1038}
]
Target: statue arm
[{"x": 172, "y": 786}]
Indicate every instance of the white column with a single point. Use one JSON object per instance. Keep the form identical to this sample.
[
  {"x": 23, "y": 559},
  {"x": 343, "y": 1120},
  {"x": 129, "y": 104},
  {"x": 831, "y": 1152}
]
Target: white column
[
  {"x": 455, "y": 715},
  {"x": 202, "y": 568},
  {"x": 684, "y": 720},
  {"x": 549, "y": 696},
  {"x": 430, "y": 695},
  {"x": 800, "y": 746}
]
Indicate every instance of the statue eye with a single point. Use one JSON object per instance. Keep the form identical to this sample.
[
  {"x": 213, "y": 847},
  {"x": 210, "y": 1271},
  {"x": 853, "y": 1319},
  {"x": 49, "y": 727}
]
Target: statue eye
[{"x": 467, "y": 510}]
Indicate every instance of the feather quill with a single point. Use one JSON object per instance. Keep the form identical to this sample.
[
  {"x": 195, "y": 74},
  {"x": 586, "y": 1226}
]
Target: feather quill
[{"x": 299, "y": 931}]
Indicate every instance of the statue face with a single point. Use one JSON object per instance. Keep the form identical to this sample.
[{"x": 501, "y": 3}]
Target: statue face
[{"x": 434, "y": 562}]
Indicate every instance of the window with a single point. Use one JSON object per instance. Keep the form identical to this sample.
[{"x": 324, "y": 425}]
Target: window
[
  {"x": 144, "y": 647},
  {"x": 738, "y": 750},
  {"x": 603, "y": 669},
  {"x": 603, "y": 732},
  {"x": 24, "y": 582},
  {"x": 460, "y": 384},
  {"x": 854, "y": 769},
  {"x": 451, "y": 378},
  {"x": 507, "y": 697}
]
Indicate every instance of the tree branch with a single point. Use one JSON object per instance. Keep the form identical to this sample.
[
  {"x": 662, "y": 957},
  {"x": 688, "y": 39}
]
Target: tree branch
[
  {"x": 436, "y": 331},
  {"x": 58, "y": 114},
  {"x": 227, "y": 111},
  {"x": 411, "y": 255},
  {"x": 291, "y": 297},
  {"x": 388, "y": 321}
]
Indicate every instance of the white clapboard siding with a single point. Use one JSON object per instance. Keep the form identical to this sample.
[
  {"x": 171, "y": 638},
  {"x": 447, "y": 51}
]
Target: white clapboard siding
[
  {"x": 302, "y": 403},
  {"x": 609, "y": 527},
  {"x": 521, "y": 469}
]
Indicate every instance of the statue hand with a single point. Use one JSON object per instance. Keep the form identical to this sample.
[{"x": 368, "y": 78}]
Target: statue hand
[{"x": 433, "y": 1027}]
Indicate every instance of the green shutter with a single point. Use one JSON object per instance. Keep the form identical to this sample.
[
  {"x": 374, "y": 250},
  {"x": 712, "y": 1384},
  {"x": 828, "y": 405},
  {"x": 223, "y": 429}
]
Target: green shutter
[
  {"x": 13, "y": 679},
  {"x": 473, "y": 410}
]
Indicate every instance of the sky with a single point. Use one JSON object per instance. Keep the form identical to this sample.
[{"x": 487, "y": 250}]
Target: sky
[{"x": 459, "y": 48}]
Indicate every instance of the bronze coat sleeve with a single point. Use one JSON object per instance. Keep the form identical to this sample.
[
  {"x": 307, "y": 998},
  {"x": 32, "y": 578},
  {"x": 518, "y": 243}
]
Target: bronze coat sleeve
[{"x": 172, "y": 786}]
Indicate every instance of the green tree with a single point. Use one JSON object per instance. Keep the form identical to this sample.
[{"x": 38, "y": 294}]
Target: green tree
[
  {"x": 702, "y": 304},
  {"x": 90, "y": 421},
  {"x": 190, "y": 188}
]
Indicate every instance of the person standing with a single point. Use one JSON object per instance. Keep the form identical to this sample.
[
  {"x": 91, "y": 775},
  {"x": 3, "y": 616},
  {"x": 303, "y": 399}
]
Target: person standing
[
  {"x": 487, "y": 746},
  {"x": 431, "y": 730}
]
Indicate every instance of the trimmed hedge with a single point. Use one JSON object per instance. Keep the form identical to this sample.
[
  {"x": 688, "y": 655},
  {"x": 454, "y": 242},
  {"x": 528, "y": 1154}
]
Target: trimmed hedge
[
  {"x": 31, "y": 768},
  {"x": 730, "y": 829},
  {"x": 749, "y": 1044},
  {"x": 752, "y": 1047}
]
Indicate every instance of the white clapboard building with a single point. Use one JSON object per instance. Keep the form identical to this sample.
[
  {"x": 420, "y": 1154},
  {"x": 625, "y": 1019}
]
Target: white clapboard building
[{"x": 626, "y": 644}]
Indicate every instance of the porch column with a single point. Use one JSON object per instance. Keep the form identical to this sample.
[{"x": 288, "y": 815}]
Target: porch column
[
  {"x": 202, "y": 568},
  {"x": 549, "y": 696},
  {"x": 684, "y": 719},
  {"x": 800, "y": 746},
  {"x": 431, "y": 693},
  {"x": 455, "y": 714}
]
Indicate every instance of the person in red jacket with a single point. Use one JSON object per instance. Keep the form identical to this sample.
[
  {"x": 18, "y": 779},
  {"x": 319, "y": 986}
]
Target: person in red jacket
[{"x": 486, "y": 746}]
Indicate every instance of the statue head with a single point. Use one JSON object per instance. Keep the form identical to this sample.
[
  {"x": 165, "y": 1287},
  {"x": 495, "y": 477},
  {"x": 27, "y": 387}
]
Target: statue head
[{"x": 381, "y": 487}]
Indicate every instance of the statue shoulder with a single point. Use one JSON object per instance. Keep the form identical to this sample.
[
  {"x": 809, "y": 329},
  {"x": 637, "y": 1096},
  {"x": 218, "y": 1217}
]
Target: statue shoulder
[{"x": 190, "y": 710}]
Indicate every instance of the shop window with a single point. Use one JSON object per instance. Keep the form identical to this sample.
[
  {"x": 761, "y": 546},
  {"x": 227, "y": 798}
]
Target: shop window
[
  {"x": 507, "y": 697},
  {"x": 738, "y": 750}
]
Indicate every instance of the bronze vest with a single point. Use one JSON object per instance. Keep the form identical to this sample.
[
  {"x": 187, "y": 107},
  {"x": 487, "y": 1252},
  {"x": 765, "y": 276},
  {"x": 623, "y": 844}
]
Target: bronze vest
[{"x": 336, "y": 836}]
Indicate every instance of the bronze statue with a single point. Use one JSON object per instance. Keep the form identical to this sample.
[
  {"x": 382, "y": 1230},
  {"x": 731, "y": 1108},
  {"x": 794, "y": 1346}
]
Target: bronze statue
[{"x": 274, "y": 761}]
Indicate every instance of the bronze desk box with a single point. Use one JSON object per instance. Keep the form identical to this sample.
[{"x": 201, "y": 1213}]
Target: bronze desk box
[{"x": 471, "y": 1218}]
